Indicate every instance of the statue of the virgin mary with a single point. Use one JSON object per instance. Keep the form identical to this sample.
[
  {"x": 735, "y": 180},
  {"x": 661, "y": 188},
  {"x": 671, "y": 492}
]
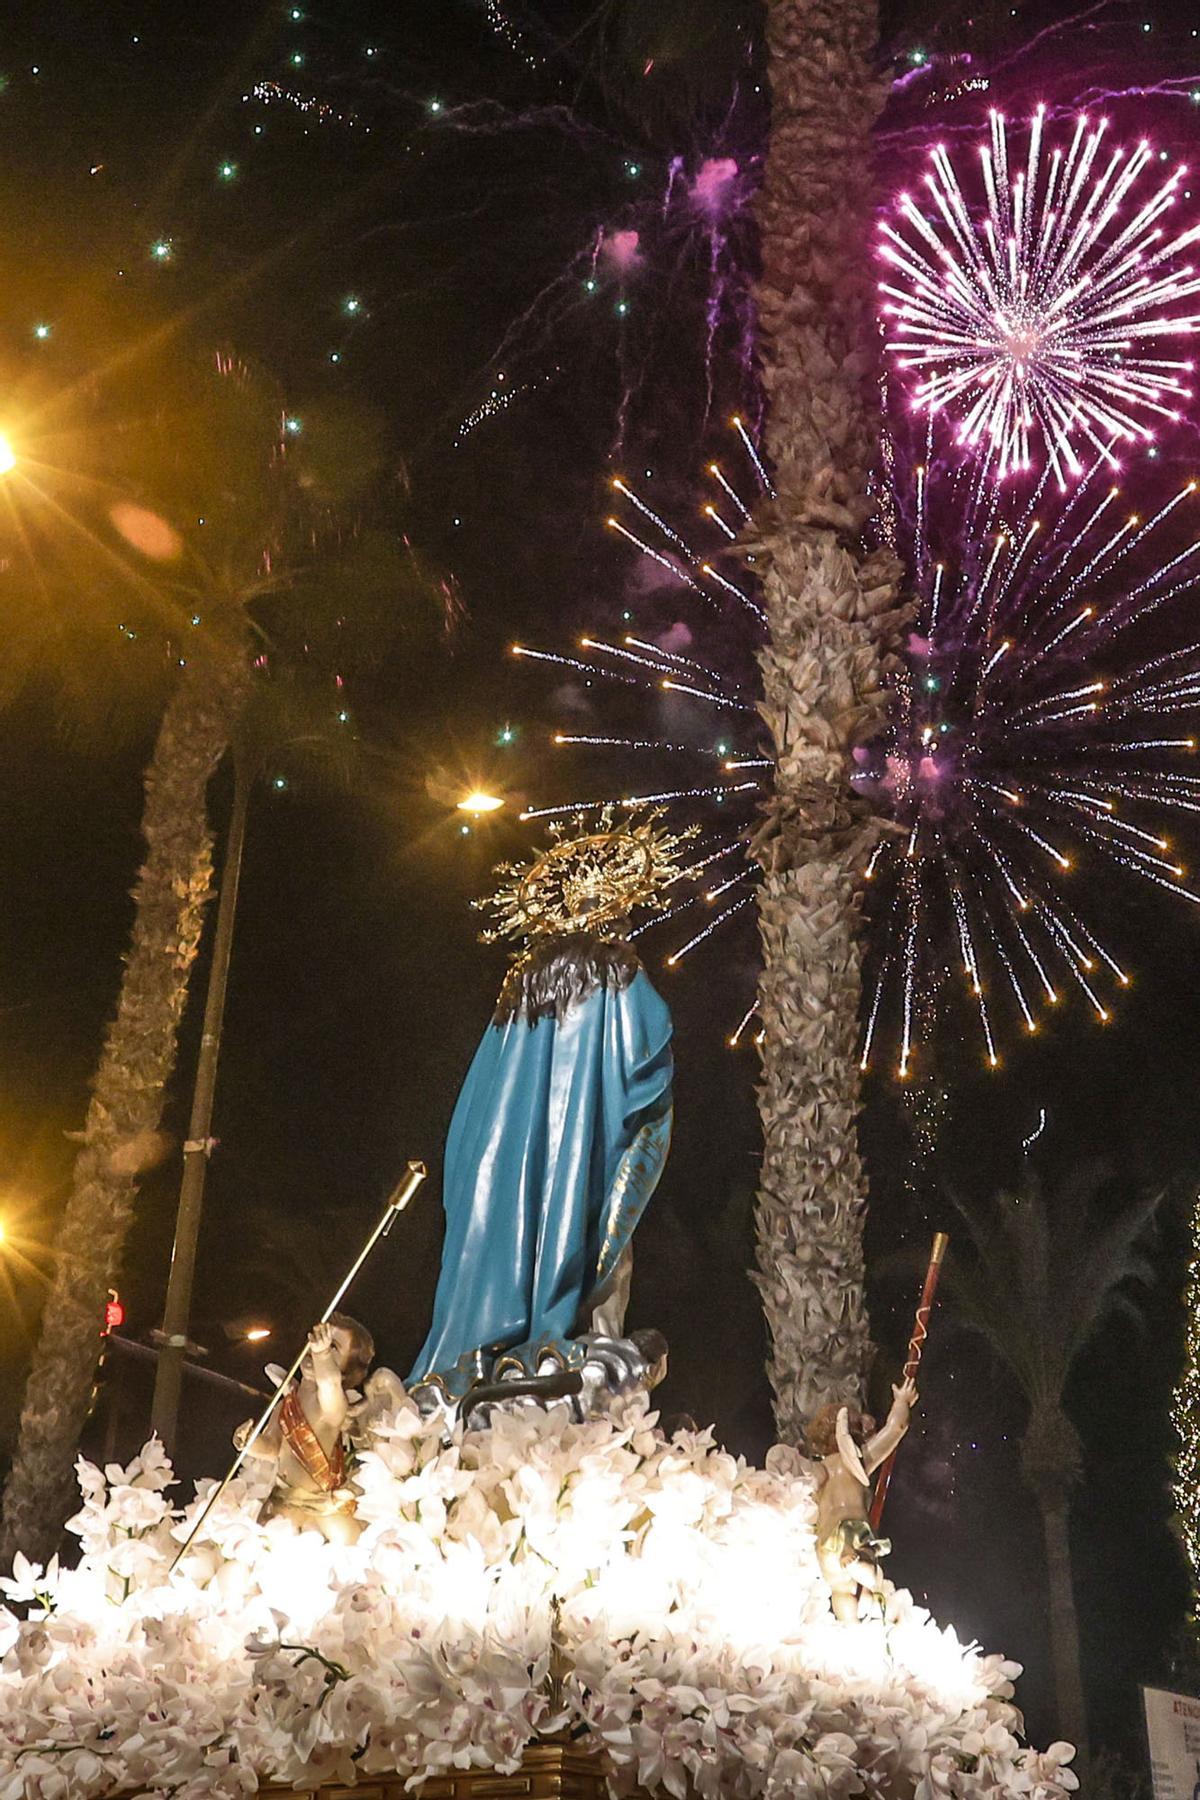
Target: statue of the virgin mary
[{"x": 562, "y": 1126}]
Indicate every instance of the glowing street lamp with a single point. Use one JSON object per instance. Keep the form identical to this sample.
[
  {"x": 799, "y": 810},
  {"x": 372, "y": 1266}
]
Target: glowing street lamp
[{"x": 477, "y": 803}]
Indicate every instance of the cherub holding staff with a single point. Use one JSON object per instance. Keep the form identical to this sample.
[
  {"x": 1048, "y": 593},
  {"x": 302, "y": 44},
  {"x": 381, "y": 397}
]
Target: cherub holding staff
[
  {"x": 848, "y": 1449},
  {"x": 306, "y": 1436}
]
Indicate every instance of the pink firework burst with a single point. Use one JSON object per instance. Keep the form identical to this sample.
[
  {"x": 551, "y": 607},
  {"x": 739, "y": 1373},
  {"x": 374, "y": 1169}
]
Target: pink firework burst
[{"x": 1036, "y": 301}]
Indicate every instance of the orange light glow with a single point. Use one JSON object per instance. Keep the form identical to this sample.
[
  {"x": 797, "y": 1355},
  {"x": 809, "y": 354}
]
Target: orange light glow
[{"x": 478, "y": 802}]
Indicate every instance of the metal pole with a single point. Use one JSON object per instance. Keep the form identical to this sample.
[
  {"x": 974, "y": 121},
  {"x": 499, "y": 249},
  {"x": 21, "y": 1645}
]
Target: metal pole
[
  {"x": 411, "y": 1181},
  {"x": 912, "y": 1361},
  {"x": 168, "y": 1380}
]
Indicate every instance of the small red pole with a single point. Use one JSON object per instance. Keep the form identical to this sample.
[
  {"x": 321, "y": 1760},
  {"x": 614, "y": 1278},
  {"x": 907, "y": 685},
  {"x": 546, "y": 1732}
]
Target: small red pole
[{"x": 916, "y": 1344}]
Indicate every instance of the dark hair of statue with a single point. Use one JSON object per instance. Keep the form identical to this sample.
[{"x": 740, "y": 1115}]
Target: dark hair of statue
[
  {"x": 362, "y": 1348},
  {"x": 561, "y": 969},
  {"x": 820, "y": 1434},
  {"x": 652, "y": 1344}
]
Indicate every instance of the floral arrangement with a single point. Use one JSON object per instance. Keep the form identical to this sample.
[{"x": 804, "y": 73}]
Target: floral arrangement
[{"x": 656, "y": 1598}]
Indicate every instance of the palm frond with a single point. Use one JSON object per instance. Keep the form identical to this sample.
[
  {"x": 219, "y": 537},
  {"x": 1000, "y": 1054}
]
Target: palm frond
[{"x": 1042, "y": 1272}]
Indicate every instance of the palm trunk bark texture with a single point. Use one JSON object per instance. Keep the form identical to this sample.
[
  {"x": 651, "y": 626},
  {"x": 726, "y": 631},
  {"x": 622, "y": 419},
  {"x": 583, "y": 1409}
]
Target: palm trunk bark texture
[
  {"x": 120, "y": 1134},
  {"x": 834, "y": 621},
  {"x": 1052, "y": 1464}
]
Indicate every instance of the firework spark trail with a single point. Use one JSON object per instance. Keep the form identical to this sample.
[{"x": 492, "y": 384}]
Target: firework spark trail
[
  {"x": 648, "y": 512},
  {"x": 752, "y": 452},
  {"x": 731, "y": 881},
  {"x": 1035, "y": 304},
  {"x": 1027, "y": 1143},
  {"x": 971, "y": 969},
  {"x": 571, "y": 807},
  {"x": 710, "y": 512},
  {"x": 676, "y": 538},
  {"x": 574, "y": 662},
  {"x": 669, "y": 563},
  {"x": 655, "y": 660},
  {"x": 500, "y": 398},
  {"x": 511, "y": 35},
  {"x": 719, "y": 792},
  {"x": 670, "y": 912},
  {"x": 656, "y": 745},
  {"x": 273, "y": 93},
  {"x": 722, "y": 850},
  {"x": 936, "y": 596},
  {"x": 910, "y": 982},
  {"x": 677, "y": 956},
  {"x": 683, "y": 687},
  {"x": 1075, "y": 959},
  {"x": 730, "y": 588},
  {"x": 736, "y": 1036},
  {"x": 670, "y": 658},
  {"x": 714, "y": 470},
  {"x": 864, "y": 1060},
  {"x": 1048, "y": 988}
]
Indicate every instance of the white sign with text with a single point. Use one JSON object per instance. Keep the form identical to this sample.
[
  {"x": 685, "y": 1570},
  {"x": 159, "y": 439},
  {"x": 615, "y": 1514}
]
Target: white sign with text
[{"x": 1173, "y": 1733}]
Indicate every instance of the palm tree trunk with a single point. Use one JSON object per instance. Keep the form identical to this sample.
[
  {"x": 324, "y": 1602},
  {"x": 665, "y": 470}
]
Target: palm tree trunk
[
  {"x": 120, "y": 1133},
  {"x": 1064, "y": 1623},
  {"x": 832, "y": 622}
]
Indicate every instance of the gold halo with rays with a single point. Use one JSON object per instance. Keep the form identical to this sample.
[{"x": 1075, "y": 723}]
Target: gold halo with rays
[{"x": 591, "y": 880}]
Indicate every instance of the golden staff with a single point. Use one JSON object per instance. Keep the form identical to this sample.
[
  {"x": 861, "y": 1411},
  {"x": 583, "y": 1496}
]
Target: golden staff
[
  {"x": 912, "y": 1361},
  {"x": 400, "y": 1198}
]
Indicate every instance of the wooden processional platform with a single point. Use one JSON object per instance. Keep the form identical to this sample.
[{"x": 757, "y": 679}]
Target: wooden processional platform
[{"x": 552, "y": 1769}]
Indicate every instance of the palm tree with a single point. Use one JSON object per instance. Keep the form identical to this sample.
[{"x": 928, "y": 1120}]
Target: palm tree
[
  {"x": 120, "y": 1137},
  {"x": 833, "y": 624},
  {"x": 224, "y": 536},
  {"x": 1043, "y": 1274},
  {"x": 832, "y": 603}
]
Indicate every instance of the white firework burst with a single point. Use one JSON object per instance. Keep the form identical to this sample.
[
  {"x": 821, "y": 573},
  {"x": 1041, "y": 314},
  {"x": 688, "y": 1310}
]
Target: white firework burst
[{"x": 1036, "y": 302}]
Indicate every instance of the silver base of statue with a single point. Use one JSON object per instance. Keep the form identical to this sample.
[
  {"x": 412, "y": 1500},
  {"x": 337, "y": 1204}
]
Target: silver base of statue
[{"x": 591, "y": 1375}]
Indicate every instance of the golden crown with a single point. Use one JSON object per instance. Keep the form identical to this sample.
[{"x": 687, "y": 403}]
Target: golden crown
[{"x": 591, "y": 880}]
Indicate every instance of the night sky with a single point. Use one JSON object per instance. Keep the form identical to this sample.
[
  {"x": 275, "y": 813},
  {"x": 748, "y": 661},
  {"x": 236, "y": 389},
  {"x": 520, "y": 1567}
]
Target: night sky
[{"x": 451, "y": 189}]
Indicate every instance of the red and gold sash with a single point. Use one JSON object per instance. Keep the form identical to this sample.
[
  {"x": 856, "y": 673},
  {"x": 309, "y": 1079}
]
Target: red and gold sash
[{"x": 323, "y": 1470}]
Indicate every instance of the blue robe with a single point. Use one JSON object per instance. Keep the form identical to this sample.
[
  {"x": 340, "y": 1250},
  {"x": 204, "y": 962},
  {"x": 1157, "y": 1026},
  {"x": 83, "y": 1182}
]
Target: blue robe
[{"x": 557, "y": 1143}]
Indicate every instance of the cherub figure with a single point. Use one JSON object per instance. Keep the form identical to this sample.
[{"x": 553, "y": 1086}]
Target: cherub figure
[
  {"x": 307, "y": 1434},
  {"x": 848, "y": 1450}
]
